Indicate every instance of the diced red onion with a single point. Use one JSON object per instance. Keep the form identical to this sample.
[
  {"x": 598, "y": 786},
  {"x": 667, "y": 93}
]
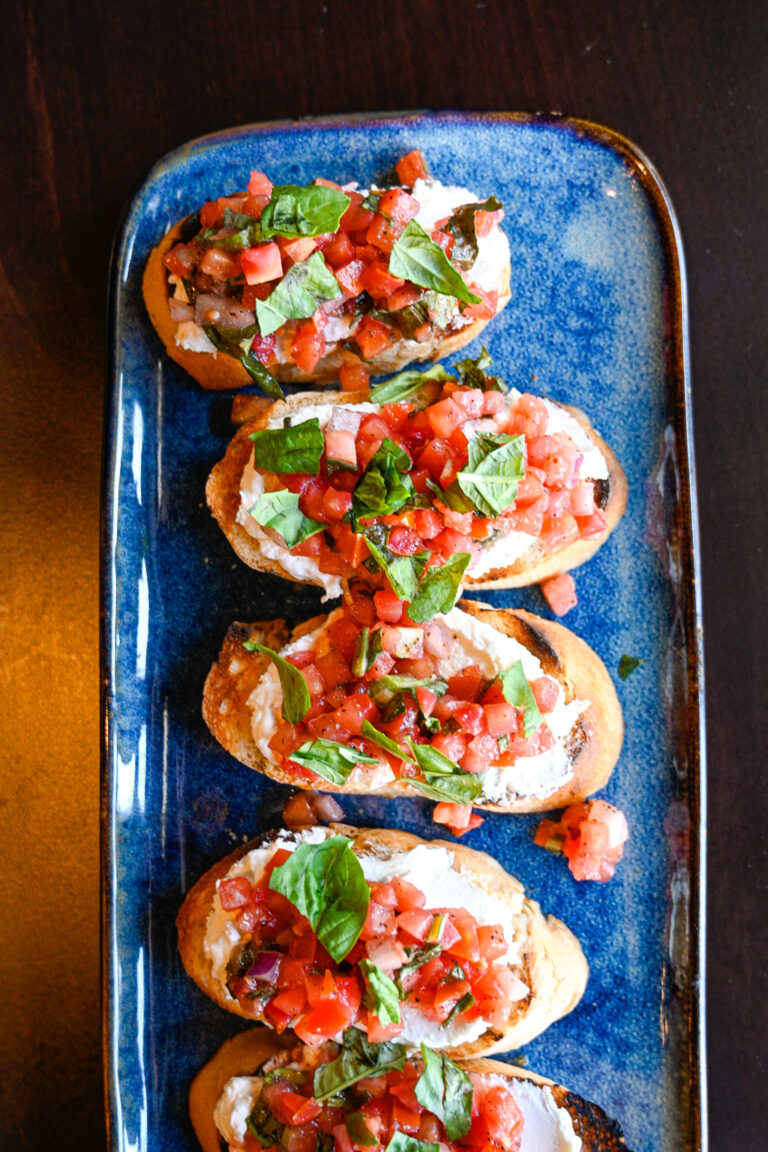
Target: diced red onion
[
  {"x": 265, "y": 967},
  {"x": 212, "y": 309},
  {"x": 327, "y": 809},
  {"x": 180, "y": 310},
  {"x": 437, "y": 642},
  {"x": 344, "y": 420},
  {"x": 387, "y": 953}
]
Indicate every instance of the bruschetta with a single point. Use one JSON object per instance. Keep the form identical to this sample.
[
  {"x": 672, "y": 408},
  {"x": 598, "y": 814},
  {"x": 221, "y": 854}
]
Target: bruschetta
[
  {"x": 302, "y": 283},
  {"x": 433, "y": 468},
  {"x": 326, "y": 928},
  {"x": 261, "y": 1090},
  {"x": 494, "y": 708}
]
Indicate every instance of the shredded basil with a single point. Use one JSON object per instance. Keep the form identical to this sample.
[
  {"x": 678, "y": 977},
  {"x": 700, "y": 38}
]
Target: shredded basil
[
  {"x": 383, "y": 689},
  {"x": 417, "y": 958},
  {"x": 296, "y": 699},
  {"x": 445, "y": 1091},
  {"x": 330, "y": 760},
  {"x": 416, "y": 258},
  {"x": 367, "y": 650},
  {"x": 384, "y": 741},
  {"x": 629, "y": 664},
  {"x": 297, "y": 448},
  {"x": 400, "y": 1142},
  {"x": 310, "y": 210},
  {"x": 489, "y": 480},
  {"x": 461, "y": 227},
  {"x": 358, "y": 1130},
  {"x": 304, "y": 286},
  {"x": 253, "y": 366},
  {"x": 326, "y": 883},
  {"x": 438, "y": 588},
  {"x": 517, "y": 691},
  {"x": 280, "y": 511},
  {"x": 444, "y": 779},
  {"x": 358, "y": 1059},
  {"x": 380, "y": 993},
  {"x": 407, "y": 384},
  {"x": 385, "y": 486},
  {"x": 403, "y": 572},
  {"x": 466, "y": 1001}
]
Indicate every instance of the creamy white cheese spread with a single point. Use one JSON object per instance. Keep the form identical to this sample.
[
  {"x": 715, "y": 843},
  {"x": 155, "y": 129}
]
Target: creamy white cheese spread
[{"x": 431, "y": 869}]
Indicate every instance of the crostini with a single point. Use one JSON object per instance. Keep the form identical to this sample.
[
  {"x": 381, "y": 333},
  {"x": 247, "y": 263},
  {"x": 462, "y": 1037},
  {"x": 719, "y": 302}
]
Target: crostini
[
  {"x": 299, "y": 283},
  {"x": 329, "y": 928},
  {"x": 433, "y": 468},
  {"x": 494, "y": 708},
  {"x": 263, "y": 1090}
]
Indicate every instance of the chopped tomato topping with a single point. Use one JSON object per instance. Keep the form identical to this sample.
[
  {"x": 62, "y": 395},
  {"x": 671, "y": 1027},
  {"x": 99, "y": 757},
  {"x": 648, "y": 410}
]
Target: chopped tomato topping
[
  {"x": 591, "y": 836},
  {"x": 560, "y": 593}
]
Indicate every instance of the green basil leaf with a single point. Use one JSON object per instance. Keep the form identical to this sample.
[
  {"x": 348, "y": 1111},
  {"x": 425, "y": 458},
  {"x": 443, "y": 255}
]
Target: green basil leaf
[
  {"x": 400, "y": 1142},
  {"x": 407, "y": 384},
  {"x": 629, "y": 664},
  {"x": 367, "y": 650},
  {"x": 297, "y": 448},
  {"x": 385, "y": 486},
  {"x": 403, "y": 572},
  {"x": 253, "y": 366},
  {"x": 330, "y": 760},
  {"x": 462, "y": 1005},
  {"x": 416, "y": 258},
  {"x": 280, "y": 511},
  {"x": 438, "y": 588},
  {"x": 383, "y": 689},
  {"x": 371, "y": 201},
  {"x": 358, "y": 1058},
  {"x": 384, "y": 741},
  {"x": 358, "y": 1130},
  {"x": 326, "y": 883},
  {"x": 263, "y": 1125},
  {"x": 381, "y": 993},
  {"x": 472, "y": 373},
  {"x": 296, "y": 211},
  {"x": 517, "y": 691},
  {"x": 452, "y": 497},
  {"x": 296, "y": 297},
  {"x": 496, "y": 463},
  {"x": 446, "y": 1091},
  {"x": 246, "y": 231},
  {"x": 443, "y": 778},
  {"x": 461, "y": 227},
  {"x": 417, "y": 958},
  {"x": 296, "y": 699}
]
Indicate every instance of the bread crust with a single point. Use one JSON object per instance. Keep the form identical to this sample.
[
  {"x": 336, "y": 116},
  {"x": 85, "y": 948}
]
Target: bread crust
[
  {"x": 246, "y": 1053},
  {"x": 223, "y": 496},
  {"x": 221, "y": 371},
  {"x": 563, "y": 655},
  {"x": 553, "y": 964}
]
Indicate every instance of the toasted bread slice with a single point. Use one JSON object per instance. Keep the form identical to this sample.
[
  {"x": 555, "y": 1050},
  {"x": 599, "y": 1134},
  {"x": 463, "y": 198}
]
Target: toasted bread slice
[
  {"x": 593, "y": 747},
  {"x": 552, "y": 964},
  {"x": 256, "y": 550},
  {"x": 247, "y": 1053}
]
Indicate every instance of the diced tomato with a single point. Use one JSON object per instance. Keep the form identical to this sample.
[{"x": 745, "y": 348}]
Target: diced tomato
[
  {"x": 379, "y": 922},
  {"x": 471, "y": 717},
  {"x": 486, "y": 221},
  {"x": 426, "y": 700},
  {"x": 452, "y": 744},
  {"x": 559, "y": 531},
  {"x": 460, "y": 819},
  {"x": 486, "y": 309},
  {"x": 372, "y": 336},
  {"x": 415, "y": 923},
  {"x": 336, "y": 504},
  {"x": 378, "y": 281},
  {"x": 408, "y": 895},
  {"x": 467, "y": 947},
  {"x": 428, "y": 523},
  {"x": 322, "y": 1022},
  {"x": 560, "y": 593},
  {"x": 219, "y": 265},
  {"x": 311, "y": 499},
  {"x": 468, "y": 682},
  {"x": 378, "y": 1033},
  {"x": 338, "y": 251},
  {"x": 445, "y": 417},
  {"x": 480, "y": 753},
  {"x": 529, "y": 488},
  {"x": 355, "y": 219},
  {"x": 384, "y": 894},
  {"x": 348, "y": 276},
  {"x": 592, "y": 526},
  {"x": 493, "y": 402},
  {"x": 502, "y": 719},
  {"x": 546, "y": 693},
  {"x": 492, "y": 942},
  {"x": 591, "y": 836},
  {"x": 443, "y": 240},
  {"x": 354, "y": 377},
  {"x": 259, "y": 185},
  {"x": 234, "y": 893},
  {"x": 530, "y": 519},
  {"x": 411, "y": 168},
  {"x": 403, "y": 297},
  {"x": 308, "y": 345},
  {"x": 450, "y": 542},
  {"x": 388, "y": 607},
  {"x": 355, "y": 710},
  {"x": 404, "y": 542},
  {"x": 261, "y": 263}
]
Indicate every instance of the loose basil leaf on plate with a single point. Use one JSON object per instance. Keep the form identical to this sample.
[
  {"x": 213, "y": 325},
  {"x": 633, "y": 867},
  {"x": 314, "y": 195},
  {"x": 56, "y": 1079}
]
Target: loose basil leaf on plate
[
  {"x": 296, "y": 699},
  {"x": 384, "y": 741},
  {"x": 407, "y": 384},
  {"x": 380, "y": 993},
  {"x": 296, "y": 297},
  {"x": 358, "y": 1059},
  {"x": 416, "y": 258},
  {"x": 461, "y": 227},
  {"x": 438, "y": 588},
  {"x": 330, "y": 760},
  {"x": 280, "y": 511},
  {"x": 446, "y": 1091},
  {"x": 400, "y": 1142},
  {"x": 629, "y": 664},
  {"x": 473, "y": 374},
  {"x": 296, "y": 448},
  {"x": 489, "y": 480},
  {"x": 517, "y": 691},
  {"x": 296, "y": 211},
  {"x": 326, "y": 883},
  {"x": 385, "y": 486},
  {"x": 253, "y": 366},
  {"x": 383, "y": 689}
]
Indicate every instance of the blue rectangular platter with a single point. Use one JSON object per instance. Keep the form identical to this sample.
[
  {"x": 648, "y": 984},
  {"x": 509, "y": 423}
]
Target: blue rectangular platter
[{"x": 597, "y": 318}]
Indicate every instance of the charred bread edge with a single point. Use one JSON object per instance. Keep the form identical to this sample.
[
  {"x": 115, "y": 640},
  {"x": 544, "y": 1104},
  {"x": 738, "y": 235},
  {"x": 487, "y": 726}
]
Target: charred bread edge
[
  {"x": 223, "y": 495},
  {"x": 222, "y": 371},
  {"x": 246, "y": 1053},
  {"x": 553, "y": 963},
  {"x": 563, "y": 655}
]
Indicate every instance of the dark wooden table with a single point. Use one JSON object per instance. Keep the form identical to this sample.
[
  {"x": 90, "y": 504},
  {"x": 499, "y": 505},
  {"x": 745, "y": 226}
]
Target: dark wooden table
[{"x": 94, "y": 93}]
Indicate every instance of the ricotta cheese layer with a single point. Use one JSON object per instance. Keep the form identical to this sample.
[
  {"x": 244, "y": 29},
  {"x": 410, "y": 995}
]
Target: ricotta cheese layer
[
  {"x": 472, "y": 642},
  {"x": 431, "y": 869}
]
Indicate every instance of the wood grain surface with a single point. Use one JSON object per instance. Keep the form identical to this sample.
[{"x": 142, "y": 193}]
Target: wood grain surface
[{"x": 95, "y": 92}]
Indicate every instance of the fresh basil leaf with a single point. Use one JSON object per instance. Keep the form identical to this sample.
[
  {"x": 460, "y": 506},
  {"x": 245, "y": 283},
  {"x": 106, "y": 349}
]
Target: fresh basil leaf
[
  {"x": 326, "y": 883},
  {"x": 462, "y": 1005},
  {"x": 438, "y": 588},
  {"x": 253, "y": 366},
  {"x": 297, "y": 448},
  {"x": 280, "y": 511},
  {"x": 443, "y": 778},
  {"x": 330, "y": 760},
  {"x": 296, "y": 211},
  {"x": 385, "y": 486},
  {"x": 403, "y": 572},
  {"x": 296, "y": 297},
  {"x": 446, "y": 1091},
  {"x": 400, "y": 1142},
  {"x": 383, "y": 689},
  {"x": 472, "y": 373},
  {"x": 358, "y": 1130},
  {"x": 452, "y": 497},
  {"x": 417, "y": 958},
  {"x": 430, "y": 723},
  {"x": 371, "y": 201},
  {"x": 264, "y": 1126},
  {"x": 384, "y": 741},
  {"x": 496, "y": 463},
  {"x": 367, "y": 650},
  {"x": 246, "y": 232},
  {"x": 358, "y": 1059},
  {"x": 629, "y": 664},
  {"x": 461, "y": 227},
  {"x": 407, "y": 384},
  {"x": 381, "y": 993},
  {"x": 296, "y": 699},
  {"x": 517, "y": 691},
  {"x": 416, "y": 258}
]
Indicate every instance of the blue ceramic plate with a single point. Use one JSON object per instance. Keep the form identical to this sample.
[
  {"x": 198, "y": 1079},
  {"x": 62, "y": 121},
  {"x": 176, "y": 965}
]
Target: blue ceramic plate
[{"x": 597, "y": 318}]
